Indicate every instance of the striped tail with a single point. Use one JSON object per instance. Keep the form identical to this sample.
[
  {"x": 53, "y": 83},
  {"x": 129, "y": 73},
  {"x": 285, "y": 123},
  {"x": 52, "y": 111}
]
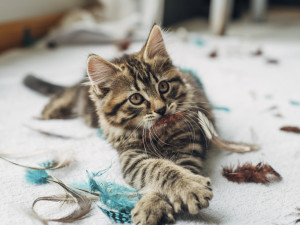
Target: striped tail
[{"x": 41, "y": 86}]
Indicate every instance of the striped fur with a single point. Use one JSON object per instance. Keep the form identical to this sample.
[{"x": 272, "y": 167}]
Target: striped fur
[{"x": 165, "y": 163}]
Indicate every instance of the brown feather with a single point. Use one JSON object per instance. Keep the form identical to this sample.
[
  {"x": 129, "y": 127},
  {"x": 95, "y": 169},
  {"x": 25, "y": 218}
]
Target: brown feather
[
  {"x": 261, "y": 173},
  {"x": 291, "y": 129},
  {"x": 167, "y": 120}
]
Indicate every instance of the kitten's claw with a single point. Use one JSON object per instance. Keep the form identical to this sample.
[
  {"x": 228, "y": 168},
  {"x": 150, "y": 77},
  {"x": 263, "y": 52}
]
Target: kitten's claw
[
  {"x": 152, "y": 209},
  {"x": 195, "y": 194}
]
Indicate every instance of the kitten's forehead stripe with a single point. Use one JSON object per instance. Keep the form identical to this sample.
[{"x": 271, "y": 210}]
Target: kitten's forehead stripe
[
  {"x": 133, "y": 74},
  {"x": 176, "y": 79},
  {"x": 140, "y": 70},
  {"x": 148, "y": 68}
]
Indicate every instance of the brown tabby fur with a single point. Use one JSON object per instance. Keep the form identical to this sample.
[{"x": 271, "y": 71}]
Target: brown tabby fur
[{"x": 164, "y": 164}]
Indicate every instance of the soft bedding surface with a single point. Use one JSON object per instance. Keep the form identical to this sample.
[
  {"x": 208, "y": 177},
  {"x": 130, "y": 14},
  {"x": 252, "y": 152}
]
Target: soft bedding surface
[{"x": 261, "y": 97}]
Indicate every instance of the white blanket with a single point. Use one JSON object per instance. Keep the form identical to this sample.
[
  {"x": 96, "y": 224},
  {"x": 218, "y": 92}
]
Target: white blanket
[{"x": 246, "y": 84}]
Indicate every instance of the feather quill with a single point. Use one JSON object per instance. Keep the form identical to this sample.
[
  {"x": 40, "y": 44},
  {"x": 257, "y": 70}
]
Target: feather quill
[
  {"x": 60, "y": 161},
  {"x": 212, "y": 135},
  {"x": 50, "y": 134}
]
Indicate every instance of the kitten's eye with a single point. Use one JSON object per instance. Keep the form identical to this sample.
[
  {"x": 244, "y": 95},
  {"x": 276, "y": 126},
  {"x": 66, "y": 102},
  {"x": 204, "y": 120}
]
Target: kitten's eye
[
  {"x": 163, "y": 87},
  {"x": 136, "y": 99}
]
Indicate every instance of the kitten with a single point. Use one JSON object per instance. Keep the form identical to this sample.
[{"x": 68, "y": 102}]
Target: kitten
[{"x": 131, "y": 95}]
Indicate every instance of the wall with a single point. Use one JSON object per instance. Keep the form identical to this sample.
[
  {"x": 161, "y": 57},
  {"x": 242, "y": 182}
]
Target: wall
[{"x": 11, "y": 10}]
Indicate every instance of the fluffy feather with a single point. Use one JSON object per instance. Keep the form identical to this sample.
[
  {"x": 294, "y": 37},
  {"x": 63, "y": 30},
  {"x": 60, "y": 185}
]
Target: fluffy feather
[
  {"x": 167, "y": 120},
  {"x": 261, "y": 173},
  {"x": 83, "y": 203},
  {"x": 37, "y": 177},
  {"x": 291, "y": 129},
  {"x": 117, "y": 201},
  {"x": 118, "y": 217},
  {"x": 112, "y": 195}
]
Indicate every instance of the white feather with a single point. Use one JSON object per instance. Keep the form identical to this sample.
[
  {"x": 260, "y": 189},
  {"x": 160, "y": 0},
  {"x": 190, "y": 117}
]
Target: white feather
[{"x": 206, "y": 125}]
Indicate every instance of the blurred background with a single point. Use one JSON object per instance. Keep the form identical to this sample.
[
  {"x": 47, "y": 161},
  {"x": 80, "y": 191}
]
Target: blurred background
[{"x": 23, "y": 23}]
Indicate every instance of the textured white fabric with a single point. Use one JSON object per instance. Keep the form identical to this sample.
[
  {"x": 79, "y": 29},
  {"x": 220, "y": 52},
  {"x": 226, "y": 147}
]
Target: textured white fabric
[{"x": 235, "y": 79}]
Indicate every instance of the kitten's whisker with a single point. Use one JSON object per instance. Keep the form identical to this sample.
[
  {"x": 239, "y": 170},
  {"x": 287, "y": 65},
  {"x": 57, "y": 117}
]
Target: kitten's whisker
[
  {"x": 195, "y": 107},
  {"x": 153, "y": 146},
  {"x": 124, "y": 142},
  {"x": 192, "y": 130},
  {"x": 144, "y": 140},
  {"x": 164, "y": 143},
  {"x": 189, "y": 128},
  {"x": 198, "y": 102},
  {"x": 159, "y": 155}
]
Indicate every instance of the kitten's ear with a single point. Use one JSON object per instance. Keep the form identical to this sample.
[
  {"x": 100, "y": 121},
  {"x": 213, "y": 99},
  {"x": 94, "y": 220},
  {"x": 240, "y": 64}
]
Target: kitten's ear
[
  {"x": 155, "y": 45},
  {"x": 101, "y": 72}
]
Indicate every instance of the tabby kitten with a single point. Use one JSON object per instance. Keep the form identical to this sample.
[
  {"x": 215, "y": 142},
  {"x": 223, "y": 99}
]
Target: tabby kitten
[{"x": 131, "y": 94}]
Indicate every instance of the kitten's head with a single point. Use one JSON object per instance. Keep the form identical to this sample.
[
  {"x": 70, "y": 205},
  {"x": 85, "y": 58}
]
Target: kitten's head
[{"x": 138, "y": 89}]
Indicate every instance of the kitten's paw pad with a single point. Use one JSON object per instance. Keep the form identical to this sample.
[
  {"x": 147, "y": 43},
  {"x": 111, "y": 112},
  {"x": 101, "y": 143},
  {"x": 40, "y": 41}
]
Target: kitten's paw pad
[{"x": 152, "y": 210}]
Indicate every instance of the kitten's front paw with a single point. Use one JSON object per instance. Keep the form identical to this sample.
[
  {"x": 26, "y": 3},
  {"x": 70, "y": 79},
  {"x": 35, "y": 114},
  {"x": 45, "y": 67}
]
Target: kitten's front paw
[
  {"x": 192, "y": 192},
  {"x": 152, "y": 209}
]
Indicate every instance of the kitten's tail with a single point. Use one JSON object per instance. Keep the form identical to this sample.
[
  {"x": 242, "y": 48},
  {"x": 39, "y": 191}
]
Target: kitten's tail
[{"x": 41, "y": 86}]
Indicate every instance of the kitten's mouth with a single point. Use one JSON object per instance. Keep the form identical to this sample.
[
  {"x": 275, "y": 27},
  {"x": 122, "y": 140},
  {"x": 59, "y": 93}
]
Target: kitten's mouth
[{"x": 167, "y": 120}]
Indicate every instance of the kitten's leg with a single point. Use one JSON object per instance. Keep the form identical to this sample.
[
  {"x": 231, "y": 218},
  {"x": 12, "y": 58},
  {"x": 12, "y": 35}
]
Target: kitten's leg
[
  {"x": 61, "y": 106},
  {"x": 180, "y": 186},
  {"x": 86, "y": 108}
]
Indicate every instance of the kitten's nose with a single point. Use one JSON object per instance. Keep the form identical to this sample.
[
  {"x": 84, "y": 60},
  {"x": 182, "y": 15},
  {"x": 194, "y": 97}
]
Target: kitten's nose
[{"x": 161, "y": 111}]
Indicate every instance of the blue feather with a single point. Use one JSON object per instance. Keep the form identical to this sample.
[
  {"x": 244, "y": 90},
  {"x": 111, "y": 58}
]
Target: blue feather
[
  {"x": 100, "y": 133},
  {"x": 118, "y": 217},
  {"x": 223, "y": 108},
  {"x": 112, "y": 195},
  {"x": 294, "y": 103},
  {"x": 117, "y": 200},
  {"x": 37, "y": 177}
]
